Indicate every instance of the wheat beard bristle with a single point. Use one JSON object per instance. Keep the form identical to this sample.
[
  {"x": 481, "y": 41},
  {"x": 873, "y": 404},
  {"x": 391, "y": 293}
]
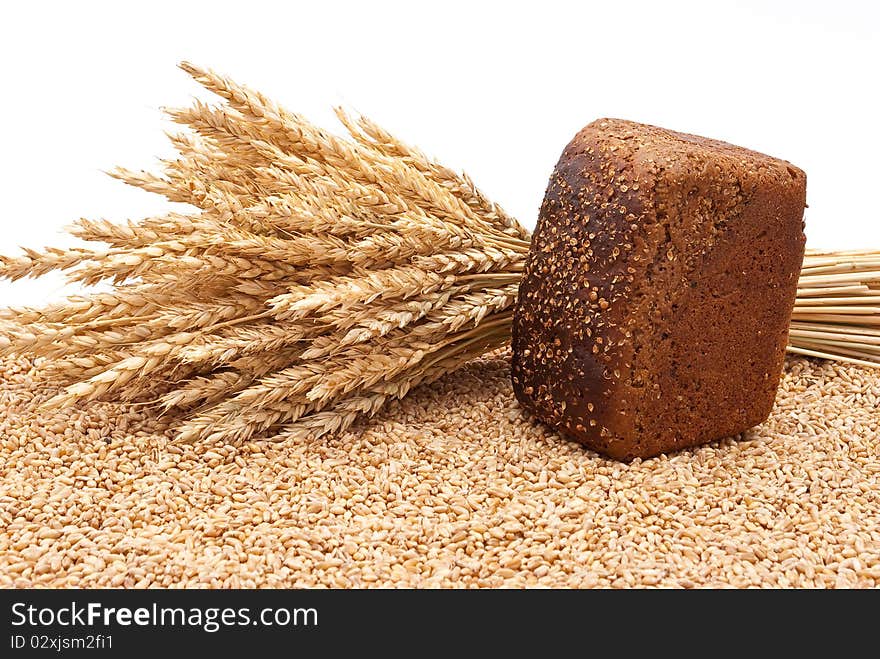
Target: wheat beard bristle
[{"x": 315, "y": 279}]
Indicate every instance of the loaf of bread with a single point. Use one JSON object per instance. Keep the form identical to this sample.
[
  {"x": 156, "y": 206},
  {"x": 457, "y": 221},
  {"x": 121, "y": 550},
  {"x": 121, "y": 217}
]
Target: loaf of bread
[{"x": 653, "y": 312}]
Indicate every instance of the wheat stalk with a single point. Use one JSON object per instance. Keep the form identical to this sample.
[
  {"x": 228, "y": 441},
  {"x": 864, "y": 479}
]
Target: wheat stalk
[
  {"x": 837, "y": 311},
  {"x": 316, "y": 279}
]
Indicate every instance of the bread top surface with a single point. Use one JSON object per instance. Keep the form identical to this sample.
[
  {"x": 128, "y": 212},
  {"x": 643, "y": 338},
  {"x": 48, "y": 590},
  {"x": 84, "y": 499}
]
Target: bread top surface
[{"x": 633, "y": 216}]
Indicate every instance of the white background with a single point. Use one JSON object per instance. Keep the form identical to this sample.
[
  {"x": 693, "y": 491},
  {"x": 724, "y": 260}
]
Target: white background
[{"x": 496, "y": 88}]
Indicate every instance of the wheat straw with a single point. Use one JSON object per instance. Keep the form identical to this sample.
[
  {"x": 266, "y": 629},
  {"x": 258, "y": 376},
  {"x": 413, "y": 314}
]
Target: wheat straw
[{"x": 837, "y": 311}]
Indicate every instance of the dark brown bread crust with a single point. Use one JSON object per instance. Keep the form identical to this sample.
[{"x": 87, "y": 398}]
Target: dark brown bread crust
[{"x": 653, "y": 312}]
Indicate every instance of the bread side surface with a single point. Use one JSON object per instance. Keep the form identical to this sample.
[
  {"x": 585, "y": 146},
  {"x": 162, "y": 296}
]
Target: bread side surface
[{"x": 654, "y": 307}]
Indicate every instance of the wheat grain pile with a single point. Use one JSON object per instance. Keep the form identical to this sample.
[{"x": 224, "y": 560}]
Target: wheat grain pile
[{"x": 452, "y": 486}]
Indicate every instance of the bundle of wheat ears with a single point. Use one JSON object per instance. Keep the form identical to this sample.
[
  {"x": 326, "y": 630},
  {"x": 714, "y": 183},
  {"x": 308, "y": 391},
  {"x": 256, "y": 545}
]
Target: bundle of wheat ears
[{"x": 316, "y": 278}]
